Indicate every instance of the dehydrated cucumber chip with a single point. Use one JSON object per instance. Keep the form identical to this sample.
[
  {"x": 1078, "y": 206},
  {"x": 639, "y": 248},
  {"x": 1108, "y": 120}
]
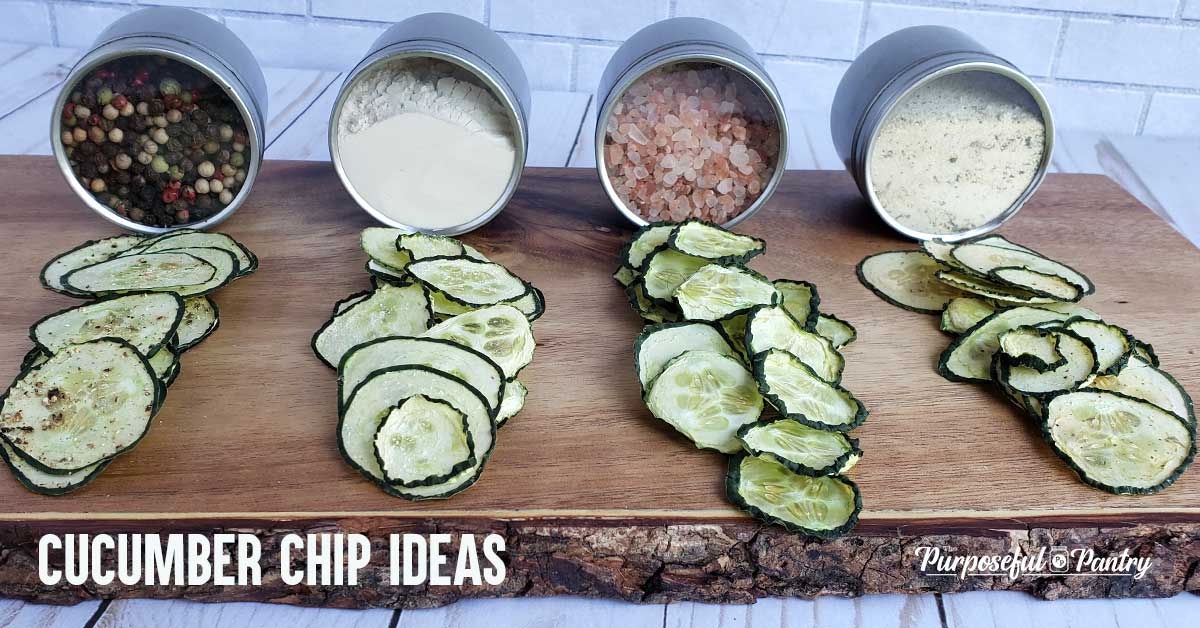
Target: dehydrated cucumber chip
[
  {"x": 804, "y": 450},
  {"x": 468, "y": 282},
  {"x": 972, "y": 284},
  {"x": 461, "y": 361},
  {"x": 714, "y": 292},
  {"x": 86, "y": 254},
  {"x": 380, "y": 244},
  {"x": 969, "y": 357},
  {"x": 373, "y": 399},
  {"x": 85, "y": 404},
  {"x": 200, "y": 319},
  {"x": 44, "y": 483},
  {"x": 512, "y": 402},
  {"x": 659, "y": 344},
  {"x": 716, "y": 244},
  {"x": 823, "y": 506},
  {"x": 1142, "y": 380},
  {"x": 803, "y": 396},
  {"x": 418, "y": 246},
  {"x": 706, "y": 396},
  {"x": 800, "y": 299},
  {"x": 146, "y": 320},
  {"x": 1033, "y": 347},
  {"x": 964, "y": 313},
  {"x": 625, "y": 276},
  {"x": 666, "y": 270},
  {"x": 907, "y": 279},
  {"x": 646, "y": 241},
  {"x": 1113, "y": 345},
  {"x": 838, "y": 332},
  {"x": 647, "y": 309},
  {"x": 224, "y": 261},
  {"x": 1037, "y": 283},
  {"x": 1079, "y": 363},
  {"x": 501, "y": 332},
  {"x": 391, "y": 310},
  {"x": 771, "y": 327},
  {"x": 423, "y": 442},
  {"x": 1116, "y": 443},
  {"x": 984, "y": 258},
  {"x": 170, "y": 271},
  {"x": 188, "y": 239}
]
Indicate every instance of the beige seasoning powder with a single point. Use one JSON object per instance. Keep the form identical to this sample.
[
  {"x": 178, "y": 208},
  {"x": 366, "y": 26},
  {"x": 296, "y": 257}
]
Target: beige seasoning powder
[{"x": 956, "y": 152}]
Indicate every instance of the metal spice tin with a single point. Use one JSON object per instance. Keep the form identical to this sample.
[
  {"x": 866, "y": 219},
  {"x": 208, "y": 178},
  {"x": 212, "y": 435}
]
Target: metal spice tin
[
  {"x": 471, "y": 46},
  {"x": 891, "y": 68},
  {"x": 191, "y": 38},
  {"x": 675, "y": 40}
]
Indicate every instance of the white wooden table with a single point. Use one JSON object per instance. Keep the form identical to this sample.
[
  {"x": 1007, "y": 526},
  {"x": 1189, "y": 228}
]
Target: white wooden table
[{"x": 1160, "y": 172}]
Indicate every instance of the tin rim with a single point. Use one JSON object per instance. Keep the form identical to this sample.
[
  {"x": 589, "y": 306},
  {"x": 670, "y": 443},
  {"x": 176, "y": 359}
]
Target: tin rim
[
  {"x": 92, "y": 61},
  {"x": 496, "y": 85},
  {"x": 644, "y": 66},
  {"x": 864, "y": 163}
]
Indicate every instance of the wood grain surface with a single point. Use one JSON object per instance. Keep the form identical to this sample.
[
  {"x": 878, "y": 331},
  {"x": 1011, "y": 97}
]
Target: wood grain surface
[{"x": 249, "y": 427}]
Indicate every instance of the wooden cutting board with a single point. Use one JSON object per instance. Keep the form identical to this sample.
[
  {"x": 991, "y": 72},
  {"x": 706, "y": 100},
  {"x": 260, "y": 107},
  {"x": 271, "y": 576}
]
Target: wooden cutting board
[{"x": 247, "y": 433}]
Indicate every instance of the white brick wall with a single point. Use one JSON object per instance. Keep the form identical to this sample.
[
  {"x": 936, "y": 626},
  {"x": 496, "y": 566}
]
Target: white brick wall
[{"x": 1120, "y": 66}]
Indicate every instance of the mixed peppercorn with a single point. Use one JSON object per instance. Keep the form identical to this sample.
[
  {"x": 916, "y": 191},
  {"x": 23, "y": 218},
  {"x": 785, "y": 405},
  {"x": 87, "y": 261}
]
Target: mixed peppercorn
[{"x": 155, "y": 140}]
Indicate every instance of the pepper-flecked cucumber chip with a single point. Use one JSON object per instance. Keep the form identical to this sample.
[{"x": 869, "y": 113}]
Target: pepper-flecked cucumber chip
[{"x": 146, "y": 320}]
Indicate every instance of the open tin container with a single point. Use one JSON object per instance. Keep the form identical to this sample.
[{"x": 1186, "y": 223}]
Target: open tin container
[
  {"x": 470, "y": 46},
  {"x": 894, "y": 67},
  {"x": 193, "y": 40},
  {"x": 690, "y": 42}
]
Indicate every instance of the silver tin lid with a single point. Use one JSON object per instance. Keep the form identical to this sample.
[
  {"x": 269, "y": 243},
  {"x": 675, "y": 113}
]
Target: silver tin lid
[{"x": 471, "y": 46}]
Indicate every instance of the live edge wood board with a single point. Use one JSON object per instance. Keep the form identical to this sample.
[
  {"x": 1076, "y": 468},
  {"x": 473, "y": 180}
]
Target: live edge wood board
[{"x": 595, "y": 496}]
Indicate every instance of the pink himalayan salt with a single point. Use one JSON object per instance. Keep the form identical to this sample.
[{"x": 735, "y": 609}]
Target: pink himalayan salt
[{"x": 680, "y": 143}]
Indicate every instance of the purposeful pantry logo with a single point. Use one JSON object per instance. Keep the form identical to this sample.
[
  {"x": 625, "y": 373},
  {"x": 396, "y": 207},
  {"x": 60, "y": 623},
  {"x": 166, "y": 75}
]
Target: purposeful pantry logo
[{"x": 1046, "y": 561}]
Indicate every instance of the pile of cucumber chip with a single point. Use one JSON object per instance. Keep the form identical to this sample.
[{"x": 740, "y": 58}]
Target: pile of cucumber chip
[
  {"x": 98, "y": 372},
  {"x": 722, "y": 344},
  {"x": 1096, "y": 392},
  {"x": 427, "y": 361}
]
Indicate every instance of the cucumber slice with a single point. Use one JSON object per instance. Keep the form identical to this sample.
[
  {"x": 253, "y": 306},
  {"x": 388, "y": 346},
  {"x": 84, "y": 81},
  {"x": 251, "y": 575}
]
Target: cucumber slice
[
  {"x": 800, "y": 394},
  {"x": 715, "y": 292},
  {"x": 1113, "y": 345},
  {"x": 513, "y": 401},
  {"x": 1079, "y": 366},
  {"x": 532, "y": 305},
  {"x": 838, "y": 332},
  {"x": 940, "y": 251},
  {"x": 444, "y": 308},
  {"x": 418, "y": 246},
  {"x": 165, "y": 364},
  {"x": 500, "y": 332},
  {"x": 646, "y": 241},
  {"x": 87, "y": 403},
  {"x": 86, "y": 254},
  {"x": 1145, "y": 351},
  {"x": 1032, "y": 347},
  {"x": 800, "y": 448},
  {"x": 823, "y": 507},
  {"x": 1140, "y": 379},
  {"x": 381, "y": 245},
  {"x": 146, "y": 320},
  {"x": 702, "y": 239},
  {"x": 665, "y": 270},
  {"x": 463, "y": 362},
  {"x": 391, "y": 310},
  {"x": 800, "y": 299},
  {"x": 247, "y": 262},
  {"x": 344, "y": 304},
  {"x": 1036, "y": 283},
  {"x": 422, "y": 442},
  {"x": 33, "y": 357},
  {"x": 984, "y": 258},
  {"x": 1116, "y": 443},
  {"x": 734, "y": 330},
  {"x": 647, "y": 309},
  {"x": 771, "y": 327},
  {"x": 906, "y": 279},
  {"x": 625, "y": 276},
  {"x": 963, "y": 313},
  {"x": 386, "y": 273},
  {"x": 44, "y": 483},
  {"x": 657, "y": 345},
  {"x": 373, "y": 399},
  {"x": 1019, "y": 400},
  {"x": 170, "y": 271},
  {"x": 227, "y": 270},
  {"x": 706, "y": 396},
  {"x": 200, "y": 319},
  {"x": 1000, "y": 241},
  {"x": 468, "y": 282},
  {"x": 969, "y": 357},
  {"x": 1072, "y": 310},
  {"x": 972, "y": 284},
  {"x": 473, "y": 252}
]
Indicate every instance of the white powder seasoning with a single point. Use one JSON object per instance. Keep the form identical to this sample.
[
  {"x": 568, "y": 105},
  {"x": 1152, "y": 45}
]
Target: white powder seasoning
[
  {"x": 423, "y": 142},
  {"x": 956, "y": 152}
]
